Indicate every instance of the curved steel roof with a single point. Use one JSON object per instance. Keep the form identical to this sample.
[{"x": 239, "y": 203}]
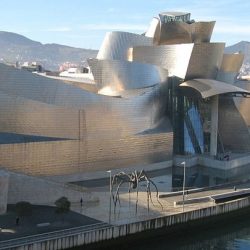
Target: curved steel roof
[{"x": 208, "y": 87}]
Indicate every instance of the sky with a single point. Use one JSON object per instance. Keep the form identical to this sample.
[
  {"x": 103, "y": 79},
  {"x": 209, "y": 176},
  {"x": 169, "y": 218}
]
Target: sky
[{"x": 83, "y": 24}]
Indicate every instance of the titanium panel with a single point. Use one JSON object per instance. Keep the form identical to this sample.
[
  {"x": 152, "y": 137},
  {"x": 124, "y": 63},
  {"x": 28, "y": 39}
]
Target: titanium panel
[
  {"x": 201, "y": 32},
  {"x": 116, "y": 44},
  {"x": 48, "y": 91},
  {"x": 105, "y": 130},
  {"x": 181, "y": 32},
  {"x": 208, "y": 87},
  {"x": 154, "y": 29},
  {"x": 228, "y": 77},
  {"x": 232, "y": 62},
  {"x": 174, "y": 58},
  {"x": 205, "y": 60},
  {"x": 173, "y": 33},
  {"x": 23, "y": 116},
  {"x": 24, "y": 84},
  {"x": 230, "y": 66},
  {"x": 122, "y": 75},
  {"x": 243, "y": 104},
  {"x": 232, "y": 127}
]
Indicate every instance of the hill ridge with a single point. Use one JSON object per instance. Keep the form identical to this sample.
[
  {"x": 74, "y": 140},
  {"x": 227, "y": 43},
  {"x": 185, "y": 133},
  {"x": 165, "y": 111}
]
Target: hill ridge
[{"x": 16, "y": 47}]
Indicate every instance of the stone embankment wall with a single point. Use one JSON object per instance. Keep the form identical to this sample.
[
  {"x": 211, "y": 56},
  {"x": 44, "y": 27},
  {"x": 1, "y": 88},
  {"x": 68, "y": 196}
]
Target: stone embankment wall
[{"x": 112, "y": 232}]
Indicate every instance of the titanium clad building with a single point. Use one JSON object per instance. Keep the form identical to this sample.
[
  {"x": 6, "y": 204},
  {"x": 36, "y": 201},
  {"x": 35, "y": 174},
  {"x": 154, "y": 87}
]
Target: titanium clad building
[{"x": 167, "y": 92}]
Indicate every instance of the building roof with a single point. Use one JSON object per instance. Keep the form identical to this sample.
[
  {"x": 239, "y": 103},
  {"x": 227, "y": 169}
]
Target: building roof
[
  {"x": 208, "y": 87},
  {"x": 174, "y": 13}
]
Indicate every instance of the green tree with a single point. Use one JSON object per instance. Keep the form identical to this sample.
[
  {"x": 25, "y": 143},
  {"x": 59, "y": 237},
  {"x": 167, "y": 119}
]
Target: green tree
[
  {"x": 62, "y": 206},
  {"x": 23, "y": 208}
]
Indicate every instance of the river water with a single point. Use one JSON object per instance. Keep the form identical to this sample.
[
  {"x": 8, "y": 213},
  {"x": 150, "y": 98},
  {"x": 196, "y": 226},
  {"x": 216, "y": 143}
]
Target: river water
[{"x": 233, "y": 235}]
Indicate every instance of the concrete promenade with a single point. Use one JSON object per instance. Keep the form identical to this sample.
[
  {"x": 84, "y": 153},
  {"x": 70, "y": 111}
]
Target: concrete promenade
[
  {"x": 126, "y": 221},
  {"x": 126, "y": 212}
]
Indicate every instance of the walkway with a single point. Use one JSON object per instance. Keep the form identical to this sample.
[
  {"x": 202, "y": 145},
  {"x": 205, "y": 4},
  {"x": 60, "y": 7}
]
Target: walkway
[{"x": 126, "y": 212}]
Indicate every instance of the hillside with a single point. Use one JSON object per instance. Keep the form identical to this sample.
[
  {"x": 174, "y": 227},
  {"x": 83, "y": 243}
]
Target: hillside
[
  {"x": 15, "y": 47},
  {"x": 242, "y": 46}
]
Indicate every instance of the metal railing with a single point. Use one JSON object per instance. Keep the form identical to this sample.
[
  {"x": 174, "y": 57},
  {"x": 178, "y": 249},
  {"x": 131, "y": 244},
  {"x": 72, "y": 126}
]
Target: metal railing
[{"x": 17, "y": 242}]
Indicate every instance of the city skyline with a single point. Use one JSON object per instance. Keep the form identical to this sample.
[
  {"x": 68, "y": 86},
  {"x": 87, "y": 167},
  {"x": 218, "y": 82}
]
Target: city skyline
[{"x": 84, "y": 24}]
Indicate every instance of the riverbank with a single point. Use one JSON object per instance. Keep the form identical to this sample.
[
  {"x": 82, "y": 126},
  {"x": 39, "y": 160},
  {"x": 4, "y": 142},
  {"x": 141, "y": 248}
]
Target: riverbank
[
  {"x": 194, "y": 215},
  {"x": 217, "y": 232}
]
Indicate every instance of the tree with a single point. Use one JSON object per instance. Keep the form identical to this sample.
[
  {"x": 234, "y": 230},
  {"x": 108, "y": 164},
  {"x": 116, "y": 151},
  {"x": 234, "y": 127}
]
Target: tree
[
  {"x": 23, "y": 208},
  {"x": 62, "y": 206}
]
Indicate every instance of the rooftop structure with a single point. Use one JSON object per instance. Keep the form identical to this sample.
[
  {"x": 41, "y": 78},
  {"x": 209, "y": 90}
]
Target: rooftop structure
[{"x": 166, "y": 17}]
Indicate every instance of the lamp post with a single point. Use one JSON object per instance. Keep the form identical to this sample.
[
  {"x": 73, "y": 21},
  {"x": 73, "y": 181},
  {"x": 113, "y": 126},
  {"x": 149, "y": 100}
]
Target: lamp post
[
  {"x": 184, "y": 182},
  {"x": 110, "y": 193}
]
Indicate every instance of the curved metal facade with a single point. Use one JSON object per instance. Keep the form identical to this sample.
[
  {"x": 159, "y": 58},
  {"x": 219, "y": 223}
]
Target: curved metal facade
[
  {"x": 201, "y": 32},
  {"x": 174, "y": 58},
  {"x": 230, "y": 66},
  {"x": 123, "y": 75},
  {"x": 243, "y": 104},
  {"x": 24, "y": 116},
  {"x": 116, "y": 44},
  {"x": 154, "y": 28},
  {"x": 95, "y": 131},
  {"x": 232, "y": 62},
  {"x": 208, "y": 87},
  {"x": 181, "y": 32},
  {"x": 233, "y": 130},
  {"x": 205, "y": 60},
  {"x": 173, "y": 33},
  {"x": 187, "y": 61}
]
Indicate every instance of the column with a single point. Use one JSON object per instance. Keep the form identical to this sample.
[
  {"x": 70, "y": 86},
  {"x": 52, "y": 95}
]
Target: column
[{"x": 214, "y": 125}]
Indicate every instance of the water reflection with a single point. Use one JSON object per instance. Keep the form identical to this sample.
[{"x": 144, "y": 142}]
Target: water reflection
[{"x": 199, "y": 176}]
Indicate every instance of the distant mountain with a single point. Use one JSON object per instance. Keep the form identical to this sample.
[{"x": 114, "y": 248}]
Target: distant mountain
[
  {"x": 15, "y": 47},
  {"x": 242, "y": 46}
]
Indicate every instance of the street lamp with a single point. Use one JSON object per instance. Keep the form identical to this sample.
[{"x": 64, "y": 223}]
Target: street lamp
[
  {"x": 184, "y": 182},
  {"x": 110, "y": 193}
]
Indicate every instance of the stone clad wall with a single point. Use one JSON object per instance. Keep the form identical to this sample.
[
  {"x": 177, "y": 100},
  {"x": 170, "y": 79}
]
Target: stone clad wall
[
  {"x": 39, "y": 191},
  {"x": 4, "y": 185},
  {"x": 75, "y": 156}
]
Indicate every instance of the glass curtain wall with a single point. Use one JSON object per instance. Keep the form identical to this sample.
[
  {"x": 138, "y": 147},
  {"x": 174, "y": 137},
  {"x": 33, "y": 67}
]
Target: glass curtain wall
[{"x": 191, "y": 120}]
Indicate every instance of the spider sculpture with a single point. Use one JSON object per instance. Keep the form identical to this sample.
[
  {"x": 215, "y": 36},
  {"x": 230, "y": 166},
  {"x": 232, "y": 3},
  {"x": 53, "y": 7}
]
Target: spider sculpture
[{"x": 133, "y": 181}]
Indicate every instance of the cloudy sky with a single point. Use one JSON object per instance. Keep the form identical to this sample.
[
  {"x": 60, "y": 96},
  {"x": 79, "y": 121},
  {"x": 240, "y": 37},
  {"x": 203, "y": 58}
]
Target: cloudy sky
[{"x": 83, "y": 24}]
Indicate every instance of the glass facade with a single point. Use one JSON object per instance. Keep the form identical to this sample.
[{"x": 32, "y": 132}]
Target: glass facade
[
  {"x": 172, "y": 18},
  {"x": 191, "y": 120},
  {"x": 193, "y": 131}
]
